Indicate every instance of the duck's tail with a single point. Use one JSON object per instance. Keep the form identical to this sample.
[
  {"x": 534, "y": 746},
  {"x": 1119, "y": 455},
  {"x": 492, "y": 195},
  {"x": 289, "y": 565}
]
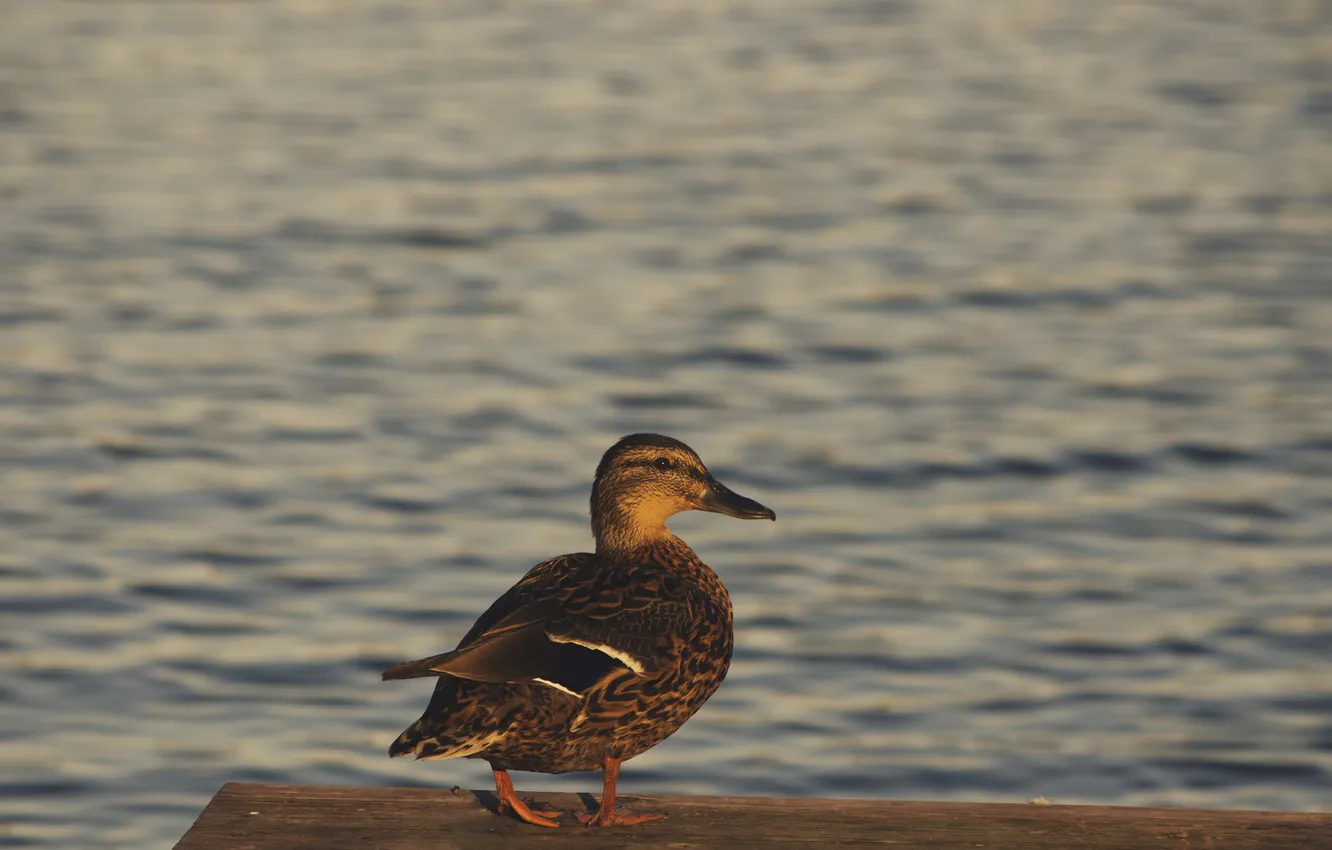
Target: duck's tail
[
  {"x": 453, "y": 726},
  {"x": 426, "y": 740}
]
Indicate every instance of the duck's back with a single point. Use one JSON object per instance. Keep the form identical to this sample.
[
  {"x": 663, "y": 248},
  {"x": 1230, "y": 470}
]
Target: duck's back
[{"x": 587, "y": 656}]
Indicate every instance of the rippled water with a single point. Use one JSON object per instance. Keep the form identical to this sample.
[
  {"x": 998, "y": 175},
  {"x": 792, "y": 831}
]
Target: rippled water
[{"x": 316, "y": 318}]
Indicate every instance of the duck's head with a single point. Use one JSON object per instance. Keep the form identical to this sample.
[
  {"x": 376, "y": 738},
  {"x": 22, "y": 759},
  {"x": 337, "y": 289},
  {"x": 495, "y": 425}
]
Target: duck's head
[{"x": 645, "y": 479}]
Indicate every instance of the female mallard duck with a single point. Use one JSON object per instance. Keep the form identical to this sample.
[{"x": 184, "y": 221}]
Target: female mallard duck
[{"x": 591, "y": 659}]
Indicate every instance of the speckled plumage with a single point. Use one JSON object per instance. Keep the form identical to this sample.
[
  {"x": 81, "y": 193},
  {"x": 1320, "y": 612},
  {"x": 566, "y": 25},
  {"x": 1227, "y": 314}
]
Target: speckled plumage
[
  {"x": 668, "y": 609},
  {"x": 592, "y": 658}
]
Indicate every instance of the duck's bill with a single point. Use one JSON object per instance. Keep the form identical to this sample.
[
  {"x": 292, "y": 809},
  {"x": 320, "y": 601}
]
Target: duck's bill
[{"x": 720, "y": 500}]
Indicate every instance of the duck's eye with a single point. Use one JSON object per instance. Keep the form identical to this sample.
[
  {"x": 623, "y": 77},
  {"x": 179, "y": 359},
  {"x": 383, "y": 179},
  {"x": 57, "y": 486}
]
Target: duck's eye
[{"x": 663, "y": 463}]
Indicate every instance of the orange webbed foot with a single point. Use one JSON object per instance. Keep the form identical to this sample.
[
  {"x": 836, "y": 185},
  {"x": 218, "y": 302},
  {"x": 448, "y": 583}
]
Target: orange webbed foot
[
  {"x": 540, "y": 817},
  {"x": 510, "y": 801},
  {"x": 619, "y": 816}
]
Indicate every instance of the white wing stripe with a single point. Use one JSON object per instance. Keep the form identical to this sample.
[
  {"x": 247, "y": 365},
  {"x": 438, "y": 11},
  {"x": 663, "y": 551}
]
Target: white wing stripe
[
  {"x": 623, "y": 657},
  {"x": 557, "y": 686}
]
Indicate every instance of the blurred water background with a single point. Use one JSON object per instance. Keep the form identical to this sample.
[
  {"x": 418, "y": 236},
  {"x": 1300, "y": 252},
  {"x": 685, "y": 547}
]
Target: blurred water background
[{"x": 316, "y": 317}]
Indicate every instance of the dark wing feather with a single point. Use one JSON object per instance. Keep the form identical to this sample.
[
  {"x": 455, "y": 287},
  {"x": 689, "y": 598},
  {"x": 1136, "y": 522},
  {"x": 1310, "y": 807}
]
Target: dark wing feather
[
  {"x": 514, "y": 598},
  {"x": 570, "y": 621},
  {"x": 528, "y": 654},
  {"x": 418, "y": 669},
  {"x": 515, "y": 654}
]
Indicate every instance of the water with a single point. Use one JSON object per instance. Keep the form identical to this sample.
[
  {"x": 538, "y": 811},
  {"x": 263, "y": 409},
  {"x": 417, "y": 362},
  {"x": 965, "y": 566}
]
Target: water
[{"x": 316, "y": 318}]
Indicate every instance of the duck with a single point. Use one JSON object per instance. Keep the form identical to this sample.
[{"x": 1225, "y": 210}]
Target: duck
[{"x": 592, "y": 658}]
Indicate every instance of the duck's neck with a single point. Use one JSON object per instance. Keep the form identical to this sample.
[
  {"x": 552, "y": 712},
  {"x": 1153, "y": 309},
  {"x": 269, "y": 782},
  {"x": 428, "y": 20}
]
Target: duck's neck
[{"x": 631, "y": 535}]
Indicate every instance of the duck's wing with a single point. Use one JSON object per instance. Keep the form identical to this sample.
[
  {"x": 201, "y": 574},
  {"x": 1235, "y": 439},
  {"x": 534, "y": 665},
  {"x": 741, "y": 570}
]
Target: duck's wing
[
  {"x": 538, "y": 583},
  {"x": 568, "y": 628}
]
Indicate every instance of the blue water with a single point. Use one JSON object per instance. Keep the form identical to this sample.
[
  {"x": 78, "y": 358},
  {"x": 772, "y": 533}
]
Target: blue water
[{"x": 316, "y": 317}]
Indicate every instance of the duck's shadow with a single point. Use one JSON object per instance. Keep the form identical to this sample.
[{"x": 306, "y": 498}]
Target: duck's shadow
[{"x": 488, "y": 799}]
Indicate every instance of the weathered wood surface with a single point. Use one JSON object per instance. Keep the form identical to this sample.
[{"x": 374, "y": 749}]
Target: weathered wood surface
[{"x": 259, "y": 817}]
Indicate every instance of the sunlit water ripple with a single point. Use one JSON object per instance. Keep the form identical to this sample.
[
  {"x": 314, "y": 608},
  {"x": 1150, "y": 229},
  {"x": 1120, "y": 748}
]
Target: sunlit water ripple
[{"x": 316, "y": 318}]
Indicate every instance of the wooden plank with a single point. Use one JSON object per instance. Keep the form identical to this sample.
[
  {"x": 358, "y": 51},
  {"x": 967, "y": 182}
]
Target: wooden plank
[{"x": 247, "y": 816}]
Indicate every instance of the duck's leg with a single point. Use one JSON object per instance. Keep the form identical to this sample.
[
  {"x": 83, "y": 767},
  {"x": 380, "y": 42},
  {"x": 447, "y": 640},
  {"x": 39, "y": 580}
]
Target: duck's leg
[
  {"x": 508, "y": 799},
  {"x": 607, "y": 815}
]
